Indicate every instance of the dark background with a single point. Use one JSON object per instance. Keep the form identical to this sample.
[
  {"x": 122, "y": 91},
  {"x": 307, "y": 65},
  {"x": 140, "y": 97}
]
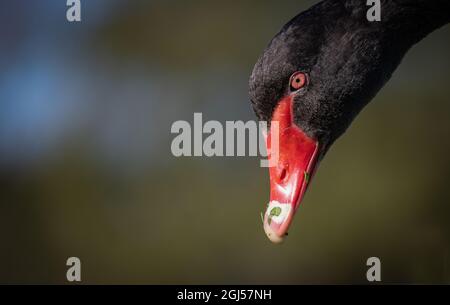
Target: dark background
[{"x": 86, "y": 168}]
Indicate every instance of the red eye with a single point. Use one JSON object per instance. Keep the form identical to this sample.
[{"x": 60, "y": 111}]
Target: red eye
[{"x": 298, "y": 80}]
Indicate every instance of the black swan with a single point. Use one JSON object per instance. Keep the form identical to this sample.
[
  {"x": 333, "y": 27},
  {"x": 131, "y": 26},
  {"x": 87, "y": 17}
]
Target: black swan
[{"x": 317, "y": 74}]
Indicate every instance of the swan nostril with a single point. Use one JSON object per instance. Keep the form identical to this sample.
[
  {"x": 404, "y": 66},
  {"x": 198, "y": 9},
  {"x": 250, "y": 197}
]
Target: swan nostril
[{"x": 283, "y": 174}]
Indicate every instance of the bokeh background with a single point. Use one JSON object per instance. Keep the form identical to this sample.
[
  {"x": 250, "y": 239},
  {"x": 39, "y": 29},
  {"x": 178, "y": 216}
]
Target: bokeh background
[{"x": 86, "y": 168}]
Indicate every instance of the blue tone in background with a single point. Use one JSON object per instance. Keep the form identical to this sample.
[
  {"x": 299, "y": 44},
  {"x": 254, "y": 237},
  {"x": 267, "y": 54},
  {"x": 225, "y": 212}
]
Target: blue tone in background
[{"x": 86, "y": 168}]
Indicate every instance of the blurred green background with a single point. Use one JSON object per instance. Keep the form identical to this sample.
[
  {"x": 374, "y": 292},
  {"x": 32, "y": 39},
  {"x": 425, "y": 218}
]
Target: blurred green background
[{"x": 86, "y": 168}]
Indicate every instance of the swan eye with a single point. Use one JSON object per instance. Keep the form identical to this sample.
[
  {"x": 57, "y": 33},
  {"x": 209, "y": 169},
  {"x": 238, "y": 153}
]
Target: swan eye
[{"x": 298, "y": 81}]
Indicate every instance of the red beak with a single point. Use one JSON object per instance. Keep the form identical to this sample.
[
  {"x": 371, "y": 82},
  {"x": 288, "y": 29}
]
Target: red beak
[{"x": 291, "y": 168}]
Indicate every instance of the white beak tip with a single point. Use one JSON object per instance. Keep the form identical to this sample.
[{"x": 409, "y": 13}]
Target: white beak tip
[{"x": 273, "y": 237}]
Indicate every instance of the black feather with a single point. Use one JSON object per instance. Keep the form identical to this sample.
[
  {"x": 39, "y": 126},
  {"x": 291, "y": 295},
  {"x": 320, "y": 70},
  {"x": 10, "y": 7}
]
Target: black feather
[{"x": 348, "y": 59}]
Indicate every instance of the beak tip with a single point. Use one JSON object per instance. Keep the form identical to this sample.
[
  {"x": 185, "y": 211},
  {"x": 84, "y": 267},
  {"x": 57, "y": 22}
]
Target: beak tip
[{"x": 272, "y": 235}]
